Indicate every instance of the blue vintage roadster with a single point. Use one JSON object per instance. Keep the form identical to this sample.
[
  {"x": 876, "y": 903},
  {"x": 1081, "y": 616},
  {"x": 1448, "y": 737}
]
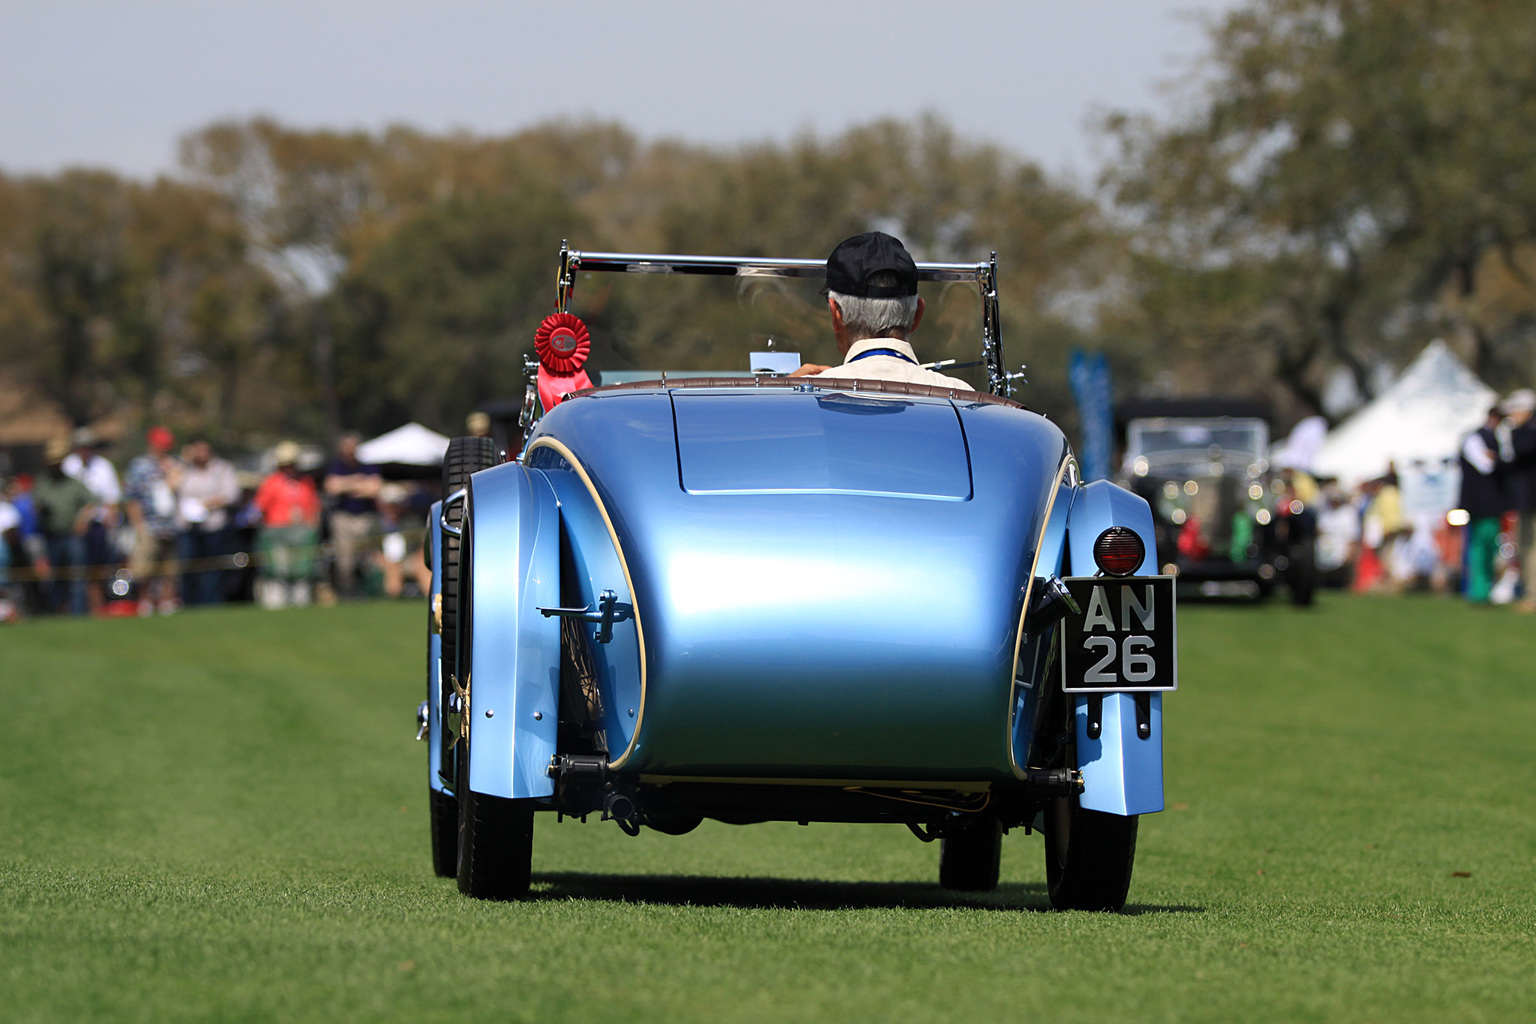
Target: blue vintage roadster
[{"x": 762, "y": 598}]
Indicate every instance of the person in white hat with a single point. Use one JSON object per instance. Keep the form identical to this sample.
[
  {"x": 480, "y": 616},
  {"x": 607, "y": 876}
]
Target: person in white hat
[
  {"x": 289, "y": 504},
  {"x": 87, "y": 464}
]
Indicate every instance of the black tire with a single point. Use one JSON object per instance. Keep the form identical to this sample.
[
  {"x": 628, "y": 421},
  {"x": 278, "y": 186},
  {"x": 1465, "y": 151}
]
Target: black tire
[
  {"x": 969, "y": 857},
  {"x": 495, "y": 841},
  {"x": 465, "y": 455},
  {"x": 443, "y": 812},
  {"x": 1088, "y": 857}
]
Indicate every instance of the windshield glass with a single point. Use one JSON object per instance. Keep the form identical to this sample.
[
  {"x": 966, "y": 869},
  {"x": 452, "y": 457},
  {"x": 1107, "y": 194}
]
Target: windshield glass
[
  {"x": 643, "y": 323},
  {"x": 1174, "y": 442}
]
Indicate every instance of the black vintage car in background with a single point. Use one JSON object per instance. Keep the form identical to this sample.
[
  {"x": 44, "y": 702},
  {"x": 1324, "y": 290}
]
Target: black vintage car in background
[{"x": 1228, "y": 523}]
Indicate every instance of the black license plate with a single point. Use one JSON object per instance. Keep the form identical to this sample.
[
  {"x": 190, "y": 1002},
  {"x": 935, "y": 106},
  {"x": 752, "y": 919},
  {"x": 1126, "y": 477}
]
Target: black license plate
[{"x": 1123, "y": 638}]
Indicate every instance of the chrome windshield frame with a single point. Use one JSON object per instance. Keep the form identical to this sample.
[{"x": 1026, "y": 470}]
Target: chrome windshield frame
[{"x": 984, "y": 275}]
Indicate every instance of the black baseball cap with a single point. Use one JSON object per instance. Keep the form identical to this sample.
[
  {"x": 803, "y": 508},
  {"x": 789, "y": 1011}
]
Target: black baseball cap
[{"x": 855, "y": 259}]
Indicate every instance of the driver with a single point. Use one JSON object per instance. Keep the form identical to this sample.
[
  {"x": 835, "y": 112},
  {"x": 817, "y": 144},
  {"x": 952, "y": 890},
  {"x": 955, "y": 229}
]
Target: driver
[{"x": 872, "y": 293}]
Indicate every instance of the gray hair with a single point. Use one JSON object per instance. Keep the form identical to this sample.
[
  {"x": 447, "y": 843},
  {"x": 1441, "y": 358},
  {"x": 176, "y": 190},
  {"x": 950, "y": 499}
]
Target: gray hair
[{"x": 876, "y": 318}]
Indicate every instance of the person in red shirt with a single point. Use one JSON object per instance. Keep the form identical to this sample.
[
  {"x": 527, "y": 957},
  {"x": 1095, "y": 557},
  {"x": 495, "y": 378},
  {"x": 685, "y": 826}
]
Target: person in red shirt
[{"x": 290, "y": 518}]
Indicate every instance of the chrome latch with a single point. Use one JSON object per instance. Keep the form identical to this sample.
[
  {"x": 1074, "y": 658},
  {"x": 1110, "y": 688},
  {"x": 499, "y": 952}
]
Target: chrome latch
[
  {"x": 1053, "y": 604},
  {"x": 421, "y": 720},
  {"x": 448, "y": 502},
  {"x": 609, "y": 611}
]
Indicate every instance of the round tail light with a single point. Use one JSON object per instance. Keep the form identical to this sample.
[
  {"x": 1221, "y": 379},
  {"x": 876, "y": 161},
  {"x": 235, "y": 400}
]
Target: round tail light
[{"x": 1119, "y": 551}]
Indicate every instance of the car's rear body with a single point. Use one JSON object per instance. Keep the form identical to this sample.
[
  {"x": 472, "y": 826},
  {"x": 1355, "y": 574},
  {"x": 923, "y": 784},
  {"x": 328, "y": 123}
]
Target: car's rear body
[
  {"x": 829, "y": 584},
  {"x": 812, "y": 586}
]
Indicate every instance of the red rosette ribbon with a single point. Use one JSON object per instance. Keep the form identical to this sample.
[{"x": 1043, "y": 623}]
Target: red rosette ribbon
[{"x": 562, "y": 342}]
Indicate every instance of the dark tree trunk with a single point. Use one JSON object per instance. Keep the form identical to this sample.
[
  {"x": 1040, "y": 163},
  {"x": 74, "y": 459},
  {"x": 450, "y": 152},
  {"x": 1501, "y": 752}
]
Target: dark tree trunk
[
  {"x": 1291, "y": 366},
  {"x": 325, "y": 371}
]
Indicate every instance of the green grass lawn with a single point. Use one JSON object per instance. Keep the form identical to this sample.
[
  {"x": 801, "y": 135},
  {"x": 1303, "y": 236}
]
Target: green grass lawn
[{"x": 222, "y": 816}]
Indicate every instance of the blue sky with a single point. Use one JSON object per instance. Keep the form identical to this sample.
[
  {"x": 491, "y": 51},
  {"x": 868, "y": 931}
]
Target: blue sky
[{"x": 112, "y": 83}]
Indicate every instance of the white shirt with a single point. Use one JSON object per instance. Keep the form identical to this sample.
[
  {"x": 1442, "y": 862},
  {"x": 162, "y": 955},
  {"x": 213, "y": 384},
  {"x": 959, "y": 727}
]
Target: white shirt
[
  {"x": 9, "y": 517},
  {"x": 903, "y": 367},
  {"x": 1475, "y": 450},
  {"x": 97, "y": 474},
  {"x": 216, "y": 481}
]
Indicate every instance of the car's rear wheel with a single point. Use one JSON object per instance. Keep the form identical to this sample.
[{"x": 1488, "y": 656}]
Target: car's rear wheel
[
  {"x": 1088, "y": 856},
  {"x": 443, "y": 810},
  {"x": 495, "y": 841},
  {"x": 465, "y": 456},
  {"x": 495, "y": 833},
  {"x": 969, "y": 856}
]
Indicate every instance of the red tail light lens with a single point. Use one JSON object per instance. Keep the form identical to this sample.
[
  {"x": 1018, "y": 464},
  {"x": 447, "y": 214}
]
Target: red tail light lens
[{"x": 1119, "y": 551}]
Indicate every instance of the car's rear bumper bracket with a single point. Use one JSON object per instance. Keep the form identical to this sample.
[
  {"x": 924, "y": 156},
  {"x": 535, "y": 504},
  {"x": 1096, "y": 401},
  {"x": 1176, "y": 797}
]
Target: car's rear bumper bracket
[
  {"x": 1122, "y": 758},
  {"x": 1143, "y": 715}
]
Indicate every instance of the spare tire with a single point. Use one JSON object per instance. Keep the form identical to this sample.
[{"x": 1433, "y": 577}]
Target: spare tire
[{"x": 465, "y": 457}]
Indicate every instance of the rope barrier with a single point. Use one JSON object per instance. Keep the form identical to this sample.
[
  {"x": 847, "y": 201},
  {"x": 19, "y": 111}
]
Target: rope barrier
[{"x": 102, "y": 571}]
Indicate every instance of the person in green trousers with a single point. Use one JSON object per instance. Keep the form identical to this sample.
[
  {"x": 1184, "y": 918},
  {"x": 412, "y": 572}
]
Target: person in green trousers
[{"x": 1484, "y": 499}]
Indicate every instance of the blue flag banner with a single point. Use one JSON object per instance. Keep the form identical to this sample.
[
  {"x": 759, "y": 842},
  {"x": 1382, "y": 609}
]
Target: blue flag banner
[{"x": 1089, "y": 375}]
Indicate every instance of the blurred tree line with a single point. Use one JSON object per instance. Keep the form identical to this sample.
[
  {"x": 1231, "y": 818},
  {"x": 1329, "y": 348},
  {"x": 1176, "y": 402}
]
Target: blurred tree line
[
  {"x": 305, "y": 281},
  {"x": 1351, "y": 179},
  {"x": 1346, "y": 179}
]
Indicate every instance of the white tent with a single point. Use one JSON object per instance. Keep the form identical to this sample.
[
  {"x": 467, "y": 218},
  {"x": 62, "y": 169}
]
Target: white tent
[
  {"x": 410, "y": 445},
  {"x": 1424, "y": 415},
  {"x": 1299, "y": 450}
]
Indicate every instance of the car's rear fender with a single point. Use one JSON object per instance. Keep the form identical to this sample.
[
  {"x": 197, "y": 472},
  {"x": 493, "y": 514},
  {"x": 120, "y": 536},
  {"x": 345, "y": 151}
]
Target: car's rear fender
[
  {"x": 513, "y": 529},
  {"x": 1122, "y": 773}
]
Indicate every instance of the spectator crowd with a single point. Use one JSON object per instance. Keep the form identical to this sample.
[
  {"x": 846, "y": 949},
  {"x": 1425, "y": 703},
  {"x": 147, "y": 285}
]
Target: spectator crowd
[
  {"x": 1466, "y": 523},
  {"x": 186, "y": 528}
]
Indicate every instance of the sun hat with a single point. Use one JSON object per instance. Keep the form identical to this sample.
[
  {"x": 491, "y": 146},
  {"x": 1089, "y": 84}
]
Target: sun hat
[
  {"x": 1523, "y": 400},
  {"x": 286, "y": 453}
]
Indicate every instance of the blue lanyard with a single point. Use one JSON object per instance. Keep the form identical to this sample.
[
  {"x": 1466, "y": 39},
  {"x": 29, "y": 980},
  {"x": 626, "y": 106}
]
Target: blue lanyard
[{"x": 883, "y": 352}]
